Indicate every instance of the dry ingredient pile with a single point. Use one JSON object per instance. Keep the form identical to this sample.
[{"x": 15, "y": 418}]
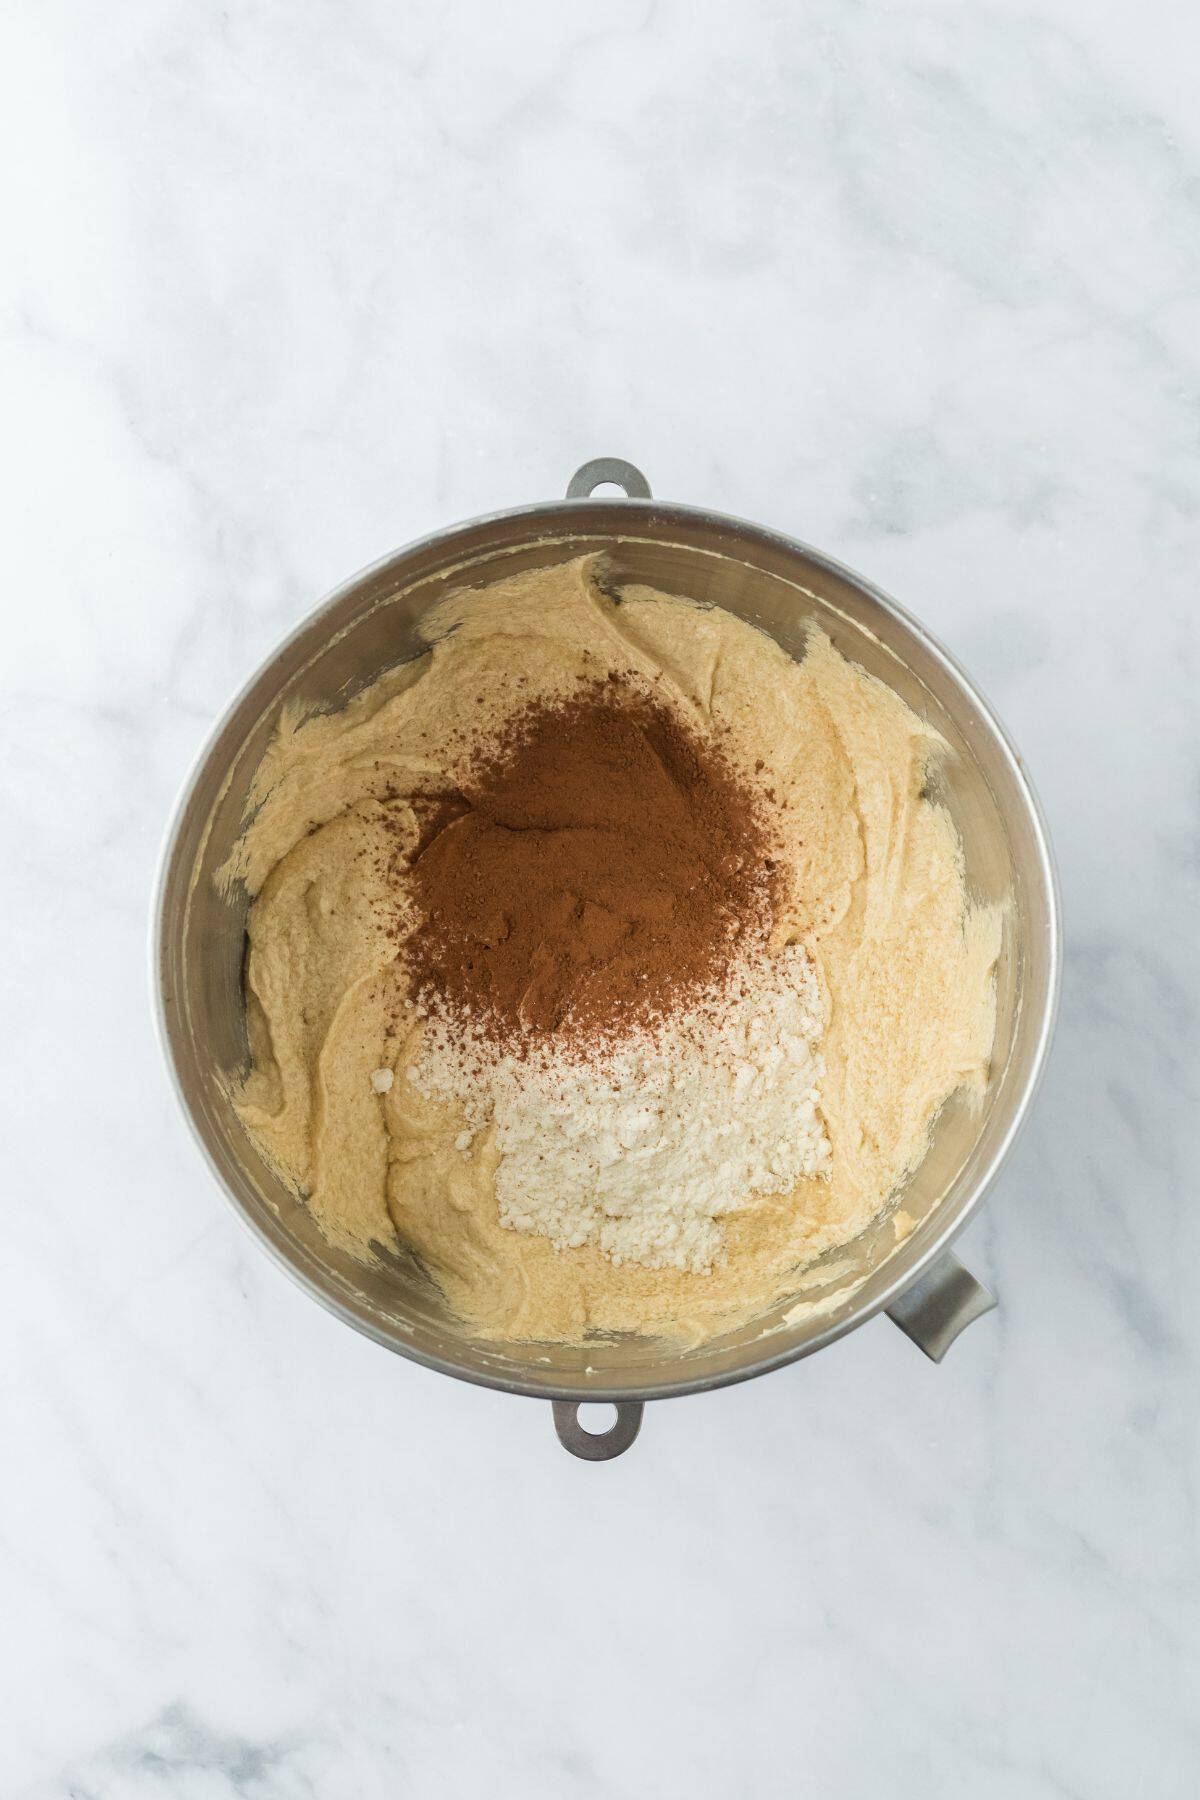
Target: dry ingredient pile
[
  {"x": 587, "y": 943},
  {"x": 607, "y": 957}
]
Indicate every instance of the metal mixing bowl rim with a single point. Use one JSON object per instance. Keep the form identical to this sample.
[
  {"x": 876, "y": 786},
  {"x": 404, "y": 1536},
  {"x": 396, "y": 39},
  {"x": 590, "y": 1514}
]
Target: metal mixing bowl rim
[{"x": 614, "y": 514}]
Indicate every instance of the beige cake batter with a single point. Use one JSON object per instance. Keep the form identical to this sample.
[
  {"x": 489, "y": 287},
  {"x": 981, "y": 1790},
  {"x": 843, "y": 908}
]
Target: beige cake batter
[{"x": 877, "y": 896}]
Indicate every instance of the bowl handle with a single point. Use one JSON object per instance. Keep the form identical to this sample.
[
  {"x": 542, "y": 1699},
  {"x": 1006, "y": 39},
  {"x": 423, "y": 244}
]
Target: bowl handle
[
  {"x": 932, "y": 1312},
  {"x": 608, "y": 468},
  {"x": 942, "y": 1303},
  {"x": 597, "y": 1446}
]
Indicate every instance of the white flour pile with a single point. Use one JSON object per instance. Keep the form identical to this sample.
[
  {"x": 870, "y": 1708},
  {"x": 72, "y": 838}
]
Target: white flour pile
[{"x": 641, "y": 1148}]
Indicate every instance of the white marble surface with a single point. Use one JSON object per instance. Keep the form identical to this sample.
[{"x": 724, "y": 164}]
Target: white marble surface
[{"x": 285, "y": 285}]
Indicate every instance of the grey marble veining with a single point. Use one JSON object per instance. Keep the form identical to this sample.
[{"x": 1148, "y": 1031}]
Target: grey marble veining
[{"x": 286, "y": 286}]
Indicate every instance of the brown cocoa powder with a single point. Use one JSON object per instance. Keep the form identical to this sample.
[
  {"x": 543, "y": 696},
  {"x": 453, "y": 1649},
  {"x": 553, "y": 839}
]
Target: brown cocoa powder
[{"x": 600, "y": 863}]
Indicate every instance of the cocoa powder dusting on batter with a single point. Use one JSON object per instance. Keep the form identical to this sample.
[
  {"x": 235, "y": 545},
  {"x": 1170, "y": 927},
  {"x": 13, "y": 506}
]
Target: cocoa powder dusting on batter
[{"x": 600, "y": 864}]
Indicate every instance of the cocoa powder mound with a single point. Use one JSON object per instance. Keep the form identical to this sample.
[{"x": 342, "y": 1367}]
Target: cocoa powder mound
[{"x": 600, "y": 863}]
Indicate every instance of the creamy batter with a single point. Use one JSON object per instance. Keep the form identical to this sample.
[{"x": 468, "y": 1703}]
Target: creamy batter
[{"x": 876, "y": 896}]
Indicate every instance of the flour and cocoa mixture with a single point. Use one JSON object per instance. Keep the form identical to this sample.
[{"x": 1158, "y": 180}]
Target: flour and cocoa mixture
[{"x": 608, "y": 957}]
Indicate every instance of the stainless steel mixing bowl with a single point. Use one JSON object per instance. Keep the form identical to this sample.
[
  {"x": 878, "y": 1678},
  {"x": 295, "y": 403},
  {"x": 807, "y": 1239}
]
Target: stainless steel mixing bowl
[{"x": 778, "y": 585}]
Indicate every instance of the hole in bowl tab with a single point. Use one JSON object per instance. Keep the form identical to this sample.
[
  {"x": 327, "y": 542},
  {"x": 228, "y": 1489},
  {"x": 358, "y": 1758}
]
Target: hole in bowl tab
[{"x": 597, "y": 1417}]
